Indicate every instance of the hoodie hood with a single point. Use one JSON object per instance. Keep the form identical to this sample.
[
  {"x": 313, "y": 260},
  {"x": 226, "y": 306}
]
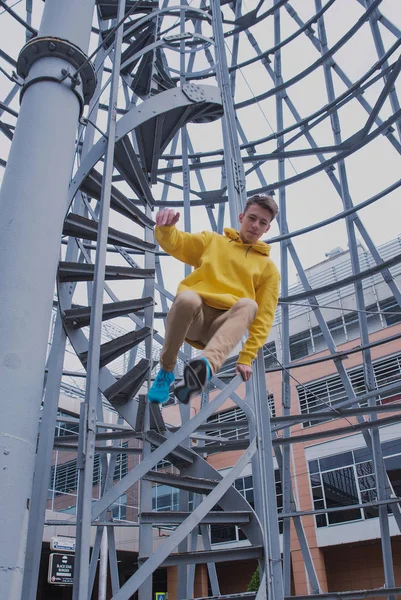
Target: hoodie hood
[{"x": 260, "y": 247}]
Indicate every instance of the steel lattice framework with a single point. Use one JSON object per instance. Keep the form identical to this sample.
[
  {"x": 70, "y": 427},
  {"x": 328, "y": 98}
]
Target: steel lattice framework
[{"x": 126, "y": 106}]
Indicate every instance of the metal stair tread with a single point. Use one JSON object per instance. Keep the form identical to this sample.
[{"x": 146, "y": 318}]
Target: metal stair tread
[
  {"x": 73, "y": 271},
  {"x": 92, "y": 185},
  {"x": 173, "y": 517},
  {"x": 111, "y": 350},
  {"x": 127, "y": 386},
  {"x": 220, "y": 555},
  {"x": 183, "y": 482},
  {"x": 178, "y": 454},
  {"x": 240, "y": 596},
  {"x": 108, "y": 8},
  {"x": 228, "y": 446},
  {"x": 81, "y": 227},
  {"x": 127, "y": 164},
  {"x": 173, "y": 120},
  {"x": 80, "y": 317}
]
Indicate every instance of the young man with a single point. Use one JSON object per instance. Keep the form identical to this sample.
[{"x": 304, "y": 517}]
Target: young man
[{"x": 233, "y": 288}]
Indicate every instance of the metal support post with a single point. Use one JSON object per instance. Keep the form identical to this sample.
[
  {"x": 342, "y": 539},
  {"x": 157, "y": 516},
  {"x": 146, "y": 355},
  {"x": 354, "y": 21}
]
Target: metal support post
[
  {"x": 285, "y": 471},
  {"x": 33, "y": 202},
  {"x": 145, "y": 530},
  {"x": 268, "y": 515},
  {"x": 103, "y": 562},
  {"x": 81, "y": 580}
]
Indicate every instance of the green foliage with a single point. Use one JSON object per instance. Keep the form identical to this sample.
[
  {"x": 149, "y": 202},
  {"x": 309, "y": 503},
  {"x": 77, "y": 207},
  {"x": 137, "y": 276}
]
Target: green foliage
[{"x": 254, "y": 583}]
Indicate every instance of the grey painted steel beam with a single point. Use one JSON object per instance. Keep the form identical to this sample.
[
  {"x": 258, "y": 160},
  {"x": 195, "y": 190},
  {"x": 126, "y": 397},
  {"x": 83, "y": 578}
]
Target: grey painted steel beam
[
  {"x": 187, "y": 526},
  {"x": 323, "y": 511},
  {"x": 177, "y": 517},
  {"x": 364, "y": 426},
  {"x": 285, "y": 466},
  {"x": 345, "y": 412},
  {"x": 204, "y": 556},
  {"x": 81, "y": 579}
]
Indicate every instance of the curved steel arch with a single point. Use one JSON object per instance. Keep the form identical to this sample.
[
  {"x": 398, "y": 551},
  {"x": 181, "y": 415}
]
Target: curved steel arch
[{"x": 285, "y": 85}]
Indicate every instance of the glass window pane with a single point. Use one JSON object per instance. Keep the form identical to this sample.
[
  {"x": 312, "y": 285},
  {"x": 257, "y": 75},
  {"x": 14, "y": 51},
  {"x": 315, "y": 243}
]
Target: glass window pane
[
  {"x": 221, "y": 534},
  {"x": 315, "y": 480},
  {"x": 372, "y": 511},
  {"x": 336, "y": 461},
  {"x": 249, "y": 496},
  {"x": 365, "y": 468},
  {"x": 391, "y": 447},
  {"x": 340, "y": 490},
  {"x": 248, "y": 481},
  {"x": 369, "y": 496},
  {"x": 367, "y": 483},
  {"x": 343, "y": 516},
  {"x": 393, "y": 468},
  {"x": 313, "y": 466},
  {"x": 321, "y": 521},
  {"x": 317, "y": 493}
]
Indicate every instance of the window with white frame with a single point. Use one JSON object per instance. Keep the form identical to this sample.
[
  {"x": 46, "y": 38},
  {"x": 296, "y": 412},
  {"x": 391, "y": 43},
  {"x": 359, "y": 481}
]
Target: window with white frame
[
  {"x": 165, "y": 498},
  {"x": 391, "y": 311},
  {"x": 330, "y": 391},
  {"x": 232, "y": 533},
  {"x": 344, "y": 328},
  {"x": 232, "y": 415},
  {"x": 64, "y": 476},
  {"x": 343, "y": 480}
]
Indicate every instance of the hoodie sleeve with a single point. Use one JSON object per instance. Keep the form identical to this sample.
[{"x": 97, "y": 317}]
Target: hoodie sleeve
[
  {"x": 266, "y": 297},
  {"x": 186, "y": 247}
]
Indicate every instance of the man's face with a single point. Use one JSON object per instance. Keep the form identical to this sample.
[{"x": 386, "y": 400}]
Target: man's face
[{"x": 254, "y": 223}]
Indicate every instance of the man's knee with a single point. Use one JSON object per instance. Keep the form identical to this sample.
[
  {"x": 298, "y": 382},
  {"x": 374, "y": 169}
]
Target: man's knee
[
  {"x": 188, "y": 299},
  {"x": 248, "y": 305}
]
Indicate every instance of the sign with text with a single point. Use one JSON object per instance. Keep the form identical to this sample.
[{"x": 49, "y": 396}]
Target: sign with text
[
  {"x": 61, "y": 569},
  {"x": 62, "y": 544}
]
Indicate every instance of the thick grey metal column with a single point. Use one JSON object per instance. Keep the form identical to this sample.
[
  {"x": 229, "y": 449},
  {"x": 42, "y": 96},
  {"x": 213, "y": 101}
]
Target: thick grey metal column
[
  {"x": 50, "y": 406},
  {"x": 33, "y": 201}
]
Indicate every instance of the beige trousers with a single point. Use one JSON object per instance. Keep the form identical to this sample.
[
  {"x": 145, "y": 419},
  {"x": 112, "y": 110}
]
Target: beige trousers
[{"x": 219, "y": 331}]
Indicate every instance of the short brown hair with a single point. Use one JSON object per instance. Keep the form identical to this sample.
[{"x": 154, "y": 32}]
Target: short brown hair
[{"x": 264, "y": 201}]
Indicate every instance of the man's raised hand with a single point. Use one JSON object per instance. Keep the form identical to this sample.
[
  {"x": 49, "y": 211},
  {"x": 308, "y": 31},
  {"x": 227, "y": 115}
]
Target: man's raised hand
[
  {"x": 167, "y": 217},
  {"x": 244, "y": 370}
]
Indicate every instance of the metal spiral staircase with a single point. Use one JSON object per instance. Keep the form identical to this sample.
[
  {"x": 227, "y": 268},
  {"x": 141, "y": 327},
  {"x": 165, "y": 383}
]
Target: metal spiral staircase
[{"x": 141, "y": 136}]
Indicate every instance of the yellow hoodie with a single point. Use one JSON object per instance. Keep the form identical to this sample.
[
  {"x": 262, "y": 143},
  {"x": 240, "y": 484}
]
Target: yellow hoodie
[{"x": 226, "y": 270}]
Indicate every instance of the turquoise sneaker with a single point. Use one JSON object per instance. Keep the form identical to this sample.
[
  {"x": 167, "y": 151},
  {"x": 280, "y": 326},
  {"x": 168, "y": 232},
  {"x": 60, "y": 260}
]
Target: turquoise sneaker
[
  {"x": 196, "y": 377},
  {"x": 160, "y": 390}
]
